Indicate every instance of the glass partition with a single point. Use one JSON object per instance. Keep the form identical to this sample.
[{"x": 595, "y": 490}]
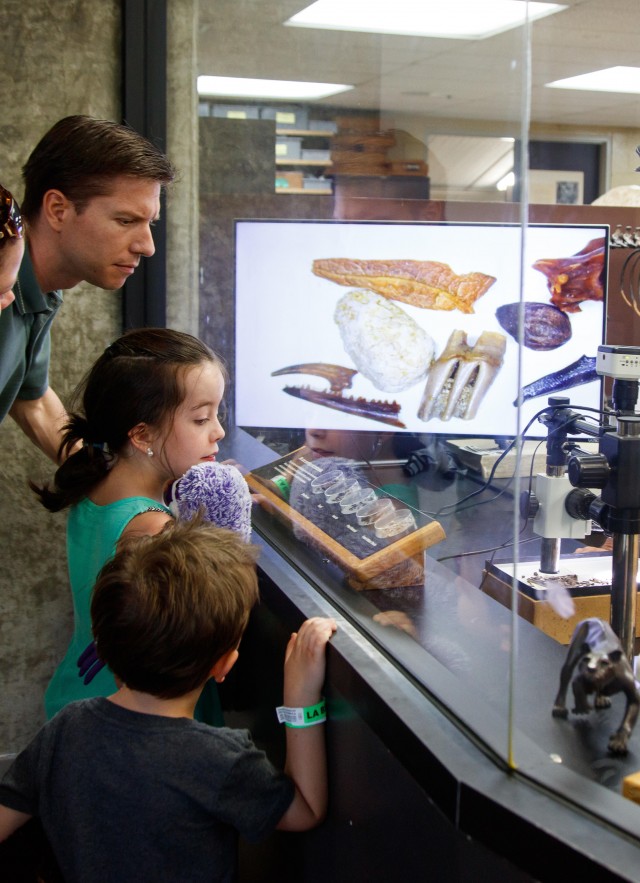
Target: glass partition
[{"x": 401, "y": 274}]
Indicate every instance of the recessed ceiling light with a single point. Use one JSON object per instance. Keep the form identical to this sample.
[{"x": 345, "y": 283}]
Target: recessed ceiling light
[
  {"x": 245, "y": 87},
  {"x": 454, "y": 19},
  {"x": 611, "y": 79}
]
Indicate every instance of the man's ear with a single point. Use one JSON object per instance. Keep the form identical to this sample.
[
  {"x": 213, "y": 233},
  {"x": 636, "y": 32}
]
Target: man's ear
[
  {"x": 55, "y": 208},
  {"x": 224, "y": 665}
]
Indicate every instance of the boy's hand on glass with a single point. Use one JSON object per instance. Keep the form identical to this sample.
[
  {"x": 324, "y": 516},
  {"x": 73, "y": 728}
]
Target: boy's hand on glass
[{"x": 304, "y": 662}]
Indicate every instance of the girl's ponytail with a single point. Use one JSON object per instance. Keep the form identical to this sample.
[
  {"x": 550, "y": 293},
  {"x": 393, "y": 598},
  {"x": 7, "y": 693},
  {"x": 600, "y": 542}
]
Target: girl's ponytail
[{"x": 80, "y": 472}]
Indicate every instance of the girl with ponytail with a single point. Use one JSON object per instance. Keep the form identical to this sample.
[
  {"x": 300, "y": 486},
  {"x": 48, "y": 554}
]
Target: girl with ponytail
[{"x": 147, "y": 411}]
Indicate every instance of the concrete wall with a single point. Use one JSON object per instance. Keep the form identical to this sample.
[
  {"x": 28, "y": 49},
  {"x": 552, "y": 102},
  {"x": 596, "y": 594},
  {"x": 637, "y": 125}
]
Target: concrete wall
[
  {"x": 183, "y": 264},
  {"x": 60, "y": 58}
]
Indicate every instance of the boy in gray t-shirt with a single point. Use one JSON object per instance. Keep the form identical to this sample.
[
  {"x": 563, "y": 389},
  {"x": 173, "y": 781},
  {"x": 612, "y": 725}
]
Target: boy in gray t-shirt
[{"x": 130, "y": 787}]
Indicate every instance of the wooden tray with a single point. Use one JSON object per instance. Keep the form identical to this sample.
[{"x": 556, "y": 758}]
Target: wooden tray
[{"x": 369, "y": 561}]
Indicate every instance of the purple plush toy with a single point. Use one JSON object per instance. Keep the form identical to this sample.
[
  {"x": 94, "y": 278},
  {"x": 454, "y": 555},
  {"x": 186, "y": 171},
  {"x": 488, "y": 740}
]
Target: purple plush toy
[{"x": 219, "y": 490}]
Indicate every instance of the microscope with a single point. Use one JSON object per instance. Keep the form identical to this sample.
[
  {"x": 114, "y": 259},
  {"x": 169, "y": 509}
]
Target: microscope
[{"x": 581, "y": 487}]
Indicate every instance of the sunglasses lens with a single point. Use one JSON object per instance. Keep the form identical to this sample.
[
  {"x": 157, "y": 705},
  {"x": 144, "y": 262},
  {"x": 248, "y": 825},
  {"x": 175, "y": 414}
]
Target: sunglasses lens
[{"x": 10, "y": 218}]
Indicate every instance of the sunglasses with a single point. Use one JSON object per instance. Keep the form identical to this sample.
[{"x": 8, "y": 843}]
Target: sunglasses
[{"x": 11, "y": 226}]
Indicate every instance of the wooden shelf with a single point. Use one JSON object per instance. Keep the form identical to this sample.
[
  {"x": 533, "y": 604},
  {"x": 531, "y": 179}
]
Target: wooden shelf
[
  {"x": 282, "y": 161},
  {"x": 302, "y": 190},
  {"x": 306, "y": 133}
]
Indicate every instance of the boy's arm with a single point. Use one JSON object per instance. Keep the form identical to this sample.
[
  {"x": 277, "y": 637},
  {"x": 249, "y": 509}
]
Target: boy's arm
[
  {"x": 10, "y": 821},
  {"x": 306, "y": 757}
]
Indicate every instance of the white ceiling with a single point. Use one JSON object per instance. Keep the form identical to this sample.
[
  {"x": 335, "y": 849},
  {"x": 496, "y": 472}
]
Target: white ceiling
[{"x": 444, "y": 82}]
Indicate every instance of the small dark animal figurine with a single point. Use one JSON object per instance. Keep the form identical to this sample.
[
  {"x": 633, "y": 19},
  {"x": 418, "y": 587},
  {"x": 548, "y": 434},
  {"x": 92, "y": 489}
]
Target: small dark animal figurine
[{"x": 602, "y": 669}]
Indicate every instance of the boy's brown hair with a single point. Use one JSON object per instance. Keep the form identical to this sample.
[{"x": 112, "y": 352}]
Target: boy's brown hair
[{"x": 167, "y": 607}]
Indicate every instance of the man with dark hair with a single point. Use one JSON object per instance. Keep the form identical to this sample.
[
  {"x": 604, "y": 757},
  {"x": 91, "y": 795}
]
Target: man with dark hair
[
  {"x": 92, "y": 193},
  {"x": 131, "y": 787}
]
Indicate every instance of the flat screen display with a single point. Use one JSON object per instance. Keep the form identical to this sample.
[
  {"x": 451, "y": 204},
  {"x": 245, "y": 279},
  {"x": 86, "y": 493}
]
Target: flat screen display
[{"x": 362, "y": 325}]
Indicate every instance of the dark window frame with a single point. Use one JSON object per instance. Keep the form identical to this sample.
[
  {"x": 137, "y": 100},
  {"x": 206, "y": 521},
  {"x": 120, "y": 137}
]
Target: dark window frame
[{"x": 144, "y": 108}]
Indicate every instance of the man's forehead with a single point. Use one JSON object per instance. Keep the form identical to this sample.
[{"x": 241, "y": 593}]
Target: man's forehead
[{"x": 135, "y": 194}]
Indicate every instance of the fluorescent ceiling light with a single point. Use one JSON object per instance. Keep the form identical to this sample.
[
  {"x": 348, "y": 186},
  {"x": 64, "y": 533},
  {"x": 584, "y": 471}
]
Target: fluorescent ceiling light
[
  {"x": 244, "y": 87},
  {"x": 453, "y": 19},
  {"x": 611, "y": 79}
]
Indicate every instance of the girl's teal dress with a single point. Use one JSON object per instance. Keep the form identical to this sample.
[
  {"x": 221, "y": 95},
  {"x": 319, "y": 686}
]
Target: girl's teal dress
[{"x": 93, "y": 533}]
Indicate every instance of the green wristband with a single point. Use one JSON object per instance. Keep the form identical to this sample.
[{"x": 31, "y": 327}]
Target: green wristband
[
  {"x": 298, "y": 718},
  {"x": 282, "y": 484}
]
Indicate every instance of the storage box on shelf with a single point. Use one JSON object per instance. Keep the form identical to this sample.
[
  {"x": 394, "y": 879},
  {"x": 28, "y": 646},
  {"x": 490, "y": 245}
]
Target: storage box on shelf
[
  {"x": 290, "y": 117},
  {"x": 359, "y": 147},
  {"x": 289, "y": 181},
  {"x": 307, "y": 149},
  {"x": 328, "y": 126},
  {"x": 288, "y": 148},
  {"x": 235, "y": 111},
  {"x": 317, "y": 185},
  {"x": 311, "y": 155},
  {"x": 368, "y": 161}
]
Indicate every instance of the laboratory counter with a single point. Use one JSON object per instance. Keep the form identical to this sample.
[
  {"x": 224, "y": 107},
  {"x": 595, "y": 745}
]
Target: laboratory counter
[{"x": 426, "y": 776}]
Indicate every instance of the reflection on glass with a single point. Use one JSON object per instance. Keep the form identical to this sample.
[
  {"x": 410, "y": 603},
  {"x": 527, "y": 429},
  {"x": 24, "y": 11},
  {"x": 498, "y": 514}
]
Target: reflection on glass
[{"x": 433, "y": 131}]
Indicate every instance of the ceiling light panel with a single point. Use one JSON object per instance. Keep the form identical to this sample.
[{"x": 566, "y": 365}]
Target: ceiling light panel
[
  {"x": 453, "y": 19},
  {"x": 611, "y": 79},
  {"x": 245, "y": 87}
]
